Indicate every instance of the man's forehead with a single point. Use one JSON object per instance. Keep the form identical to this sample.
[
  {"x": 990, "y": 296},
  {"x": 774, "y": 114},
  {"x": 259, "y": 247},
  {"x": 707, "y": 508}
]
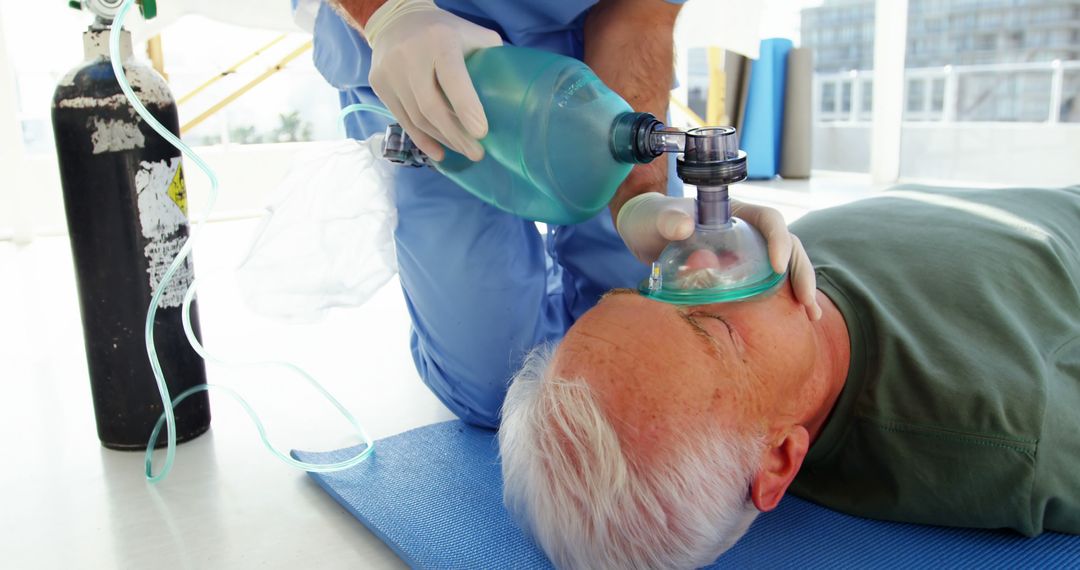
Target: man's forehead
[
  {"x": 650, "y": 363},
  {"x": 631, "y": 334}
]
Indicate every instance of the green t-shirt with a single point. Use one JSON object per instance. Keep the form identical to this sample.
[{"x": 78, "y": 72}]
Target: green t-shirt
[{"x": 962, "y": 402}]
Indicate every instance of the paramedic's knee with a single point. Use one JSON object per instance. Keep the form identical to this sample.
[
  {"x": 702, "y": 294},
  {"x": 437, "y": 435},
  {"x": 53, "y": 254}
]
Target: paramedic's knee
[{"x": 474, "y": 395}]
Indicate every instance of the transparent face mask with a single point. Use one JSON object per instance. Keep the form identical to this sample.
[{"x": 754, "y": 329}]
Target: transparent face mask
[
  {"x": 726, "y": 259},
  {"x": 715, "y": 265}
]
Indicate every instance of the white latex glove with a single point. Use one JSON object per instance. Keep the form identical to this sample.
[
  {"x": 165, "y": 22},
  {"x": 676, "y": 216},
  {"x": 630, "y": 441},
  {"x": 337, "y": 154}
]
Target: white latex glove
[
  {"x": 418, "y": 55},
  {"x": 648, "y": 222}
]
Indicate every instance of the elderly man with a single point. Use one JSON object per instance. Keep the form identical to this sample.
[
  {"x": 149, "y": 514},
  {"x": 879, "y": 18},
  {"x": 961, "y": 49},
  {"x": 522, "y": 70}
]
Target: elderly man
[
  {"x": 941, "y": 386},
  {"x": 483, "y": 287}
]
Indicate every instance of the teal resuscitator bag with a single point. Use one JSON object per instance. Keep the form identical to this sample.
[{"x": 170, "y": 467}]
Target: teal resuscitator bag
[{"x": 559, "y": 140}]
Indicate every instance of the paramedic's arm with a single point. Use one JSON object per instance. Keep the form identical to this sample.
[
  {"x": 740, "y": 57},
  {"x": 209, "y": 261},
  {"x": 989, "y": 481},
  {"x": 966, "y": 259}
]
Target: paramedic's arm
[
  {"x": 356, "y": 12},
  {"x": 630, "y": 46}
]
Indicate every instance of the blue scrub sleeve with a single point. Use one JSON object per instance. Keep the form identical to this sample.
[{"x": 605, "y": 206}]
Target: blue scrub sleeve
[
  {"x": 476, "y": 283},
  {"x": 340, "y": 53},
  {"x": 479, "y": 287}
]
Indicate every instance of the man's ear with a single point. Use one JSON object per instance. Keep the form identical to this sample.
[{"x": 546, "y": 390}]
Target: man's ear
[{"x": 778, "y": 468}]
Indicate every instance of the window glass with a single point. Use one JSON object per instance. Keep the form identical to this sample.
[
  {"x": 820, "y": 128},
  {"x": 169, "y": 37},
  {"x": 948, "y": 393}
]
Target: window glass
[
  {"x": 991, "y": 70},
  {"x": 841, "y": 35},
  {"x": 915, "y": 91},
  {"x": 866, "y": 98},
  {"x": 828, "y": 97},
  {"x": 1070, "y": 102},
  {"x": 1004, "y": 96},
  {"x": 295, "y": 104},
  {"x": 937, "y": 95}
]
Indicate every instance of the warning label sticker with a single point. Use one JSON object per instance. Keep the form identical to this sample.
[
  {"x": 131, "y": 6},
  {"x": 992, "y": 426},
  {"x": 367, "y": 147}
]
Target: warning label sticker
[
  {"x": 162, "y": 214},
  {"x": 177, "y": 190}
]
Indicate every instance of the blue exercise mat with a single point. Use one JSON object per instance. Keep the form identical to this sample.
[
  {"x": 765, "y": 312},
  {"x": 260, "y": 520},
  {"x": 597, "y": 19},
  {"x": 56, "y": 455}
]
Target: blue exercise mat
[{"x": 434, "y": 495}]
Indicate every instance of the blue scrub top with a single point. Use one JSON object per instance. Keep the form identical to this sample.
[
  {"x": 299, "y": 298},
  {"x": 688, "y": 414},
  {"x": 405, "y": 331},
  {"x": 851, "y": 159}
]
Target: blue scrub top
[
  {"x": 343, "y": 56},
  {"x": 482, "y": 286}
]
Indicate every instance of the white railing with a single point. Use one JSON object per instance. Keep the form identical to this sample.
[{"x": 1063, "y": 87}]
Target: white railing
[{"x": 997, "y": 93}]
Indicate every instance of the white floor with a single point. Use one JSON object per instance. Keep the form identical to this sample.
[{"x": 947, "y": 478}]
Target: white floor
[{"x": 67, "y": 502}]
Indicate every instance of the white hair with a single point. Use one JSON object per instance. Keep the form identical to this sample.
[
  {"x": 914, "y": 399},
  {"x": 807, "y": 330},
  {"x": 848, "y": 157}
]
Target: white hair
[{"x": 591, "y": 503}]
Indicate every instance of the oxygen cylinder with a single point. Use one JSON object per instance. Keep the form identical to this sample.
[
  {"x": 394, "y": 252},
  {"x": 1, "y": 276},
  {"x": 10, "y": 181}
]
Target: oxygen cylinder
[{"x": 126, "y": 206}]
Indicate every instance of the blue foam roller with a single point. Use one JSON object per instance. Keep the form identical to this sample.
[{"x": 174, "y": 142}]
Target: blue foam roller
[
  {"x": 434, "y": 495},
  {"x": 764, "y": 119}
]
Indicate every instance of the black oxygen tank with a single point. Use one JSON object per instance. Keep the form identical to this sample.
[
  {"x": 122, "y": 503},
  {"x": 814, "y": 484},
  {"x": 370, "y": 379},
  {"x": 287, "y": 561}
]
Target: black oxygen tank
[{"x": 126, "y": 206}]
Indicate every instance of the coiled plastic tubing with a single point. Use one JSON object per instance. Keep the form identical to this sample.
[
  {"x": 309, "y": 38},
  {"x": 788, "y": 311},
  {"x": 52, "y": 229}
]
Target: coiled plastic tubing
[{"x": 168, "y": 418}]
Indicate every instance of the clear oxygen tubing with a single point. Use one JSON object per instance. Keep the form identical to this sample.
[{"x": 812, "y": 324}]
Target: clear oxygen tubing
[
  {"x": 168, "y": 418},
  {"x": 349, "y": 109}
]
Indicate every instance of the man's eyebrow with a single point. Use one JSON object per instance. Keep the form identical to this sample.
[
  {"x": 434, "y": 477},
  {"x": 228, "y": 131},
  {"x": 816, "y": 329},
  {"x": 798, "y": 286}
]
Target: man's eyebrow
[
  {"x": 700, "y": 331},
  {"x": 619, "y": 292}
]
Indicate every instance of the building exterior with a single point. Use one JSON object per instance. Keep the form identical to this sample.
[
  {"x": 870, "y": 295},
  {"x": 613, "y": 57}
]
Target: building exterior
[
  {"x": 841, "y": 33},
  {"x": 947, "y": 32},
  {"x": 967, "y": 60}
]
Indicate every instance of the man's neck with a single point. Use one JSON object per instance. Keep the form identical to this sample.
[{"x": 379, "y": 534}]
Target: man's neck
[{"x": 834, "y": 358}]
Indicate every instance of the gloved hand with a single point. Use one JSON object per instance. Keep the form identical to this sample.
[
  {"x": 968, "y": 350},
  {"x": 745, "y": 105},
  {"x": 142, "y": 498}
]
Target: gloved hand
[
  {"x": 648, "y": 222},
  {"x": 418, "y": 70}
]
